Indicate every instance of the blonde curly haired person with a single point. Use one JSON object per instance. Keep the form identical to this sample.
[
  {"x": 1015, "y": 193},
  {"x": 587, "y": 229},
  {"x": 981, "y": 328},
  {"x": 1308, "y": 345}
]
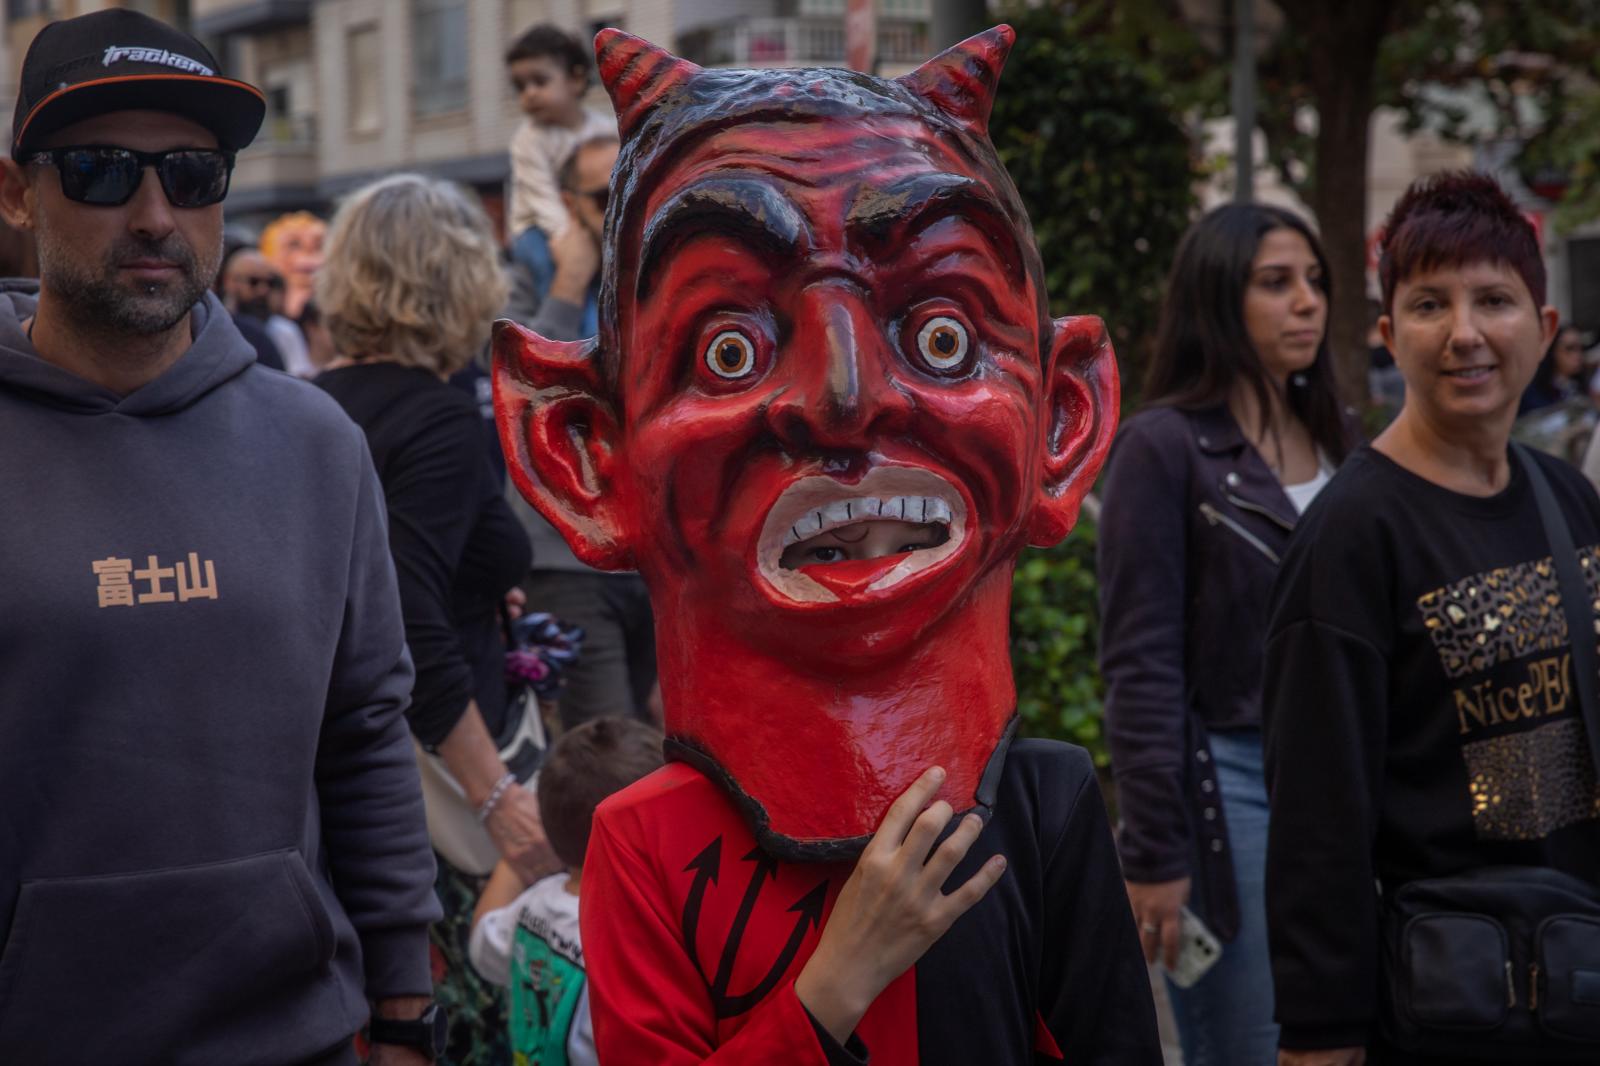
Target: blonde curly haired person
[
  {"x": 411, "y": 286},
  {"x": 412, "y": 275}
]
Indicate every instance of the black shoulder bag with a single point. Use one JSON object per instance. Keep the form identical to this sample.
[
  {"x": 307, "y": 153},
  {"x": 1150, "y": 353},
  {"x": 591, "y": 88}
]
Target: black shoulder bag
[{"x": 1502, "y": 964}]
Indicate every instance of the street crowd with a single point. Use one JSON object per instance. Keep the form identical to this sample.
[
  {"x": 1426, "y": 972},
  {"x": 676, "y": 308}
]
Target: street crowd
[{"x": 306, "y": 712}]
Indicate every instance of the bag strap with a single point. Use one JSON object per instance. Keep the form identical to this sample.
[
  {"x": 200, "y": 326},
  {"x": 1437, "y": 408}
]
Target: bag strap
[{"x": 1576, "y": 600}]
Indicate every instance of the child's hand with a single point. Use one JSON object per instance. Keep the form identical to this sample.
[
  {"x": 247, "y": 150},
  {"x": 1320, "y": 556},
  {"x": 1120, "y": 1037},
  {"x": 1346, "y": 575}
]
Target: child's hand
[{"x": 892, "y": 908}]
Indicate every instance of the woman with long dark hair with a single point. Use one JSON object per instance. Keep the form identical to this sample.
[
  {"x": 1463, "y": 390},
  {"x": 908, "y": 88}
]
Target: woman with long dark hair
[
  {"x": 1241, "y": 428},
  {"x": 1559, "y": 377}
]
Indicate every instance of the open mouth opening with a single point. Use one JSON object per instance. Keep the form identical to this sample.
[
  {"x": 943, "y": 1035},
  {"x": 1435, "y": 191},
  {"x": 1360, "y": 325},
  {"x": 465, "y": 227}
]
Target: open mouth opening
[
  {"x": 824, "y": 539},
  {"x": 866, "y": 538}
]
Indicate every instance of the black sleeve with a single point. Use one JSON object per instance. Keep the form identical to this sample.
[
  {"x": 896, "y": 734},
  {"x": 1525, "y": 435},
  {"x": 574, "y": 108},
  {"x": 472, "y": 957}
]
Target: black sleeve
[
  {"x": 851, "y": 1053},
  {"x": 434, "y": 487},
  {"x": 1142, "y": 573},
  {"x": 498, "y": 553},
  {"x": 255, "y": 332},
  {"x": 1325, "y": 706},
  {"x": 1094, "y": 995}
]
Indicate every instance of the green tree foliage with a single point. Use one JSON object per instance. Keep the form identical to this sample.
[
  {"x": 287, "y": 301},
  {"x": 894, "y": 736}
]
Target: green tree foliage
[
  {"x": 1572, "y": 150},
  {"x": 1528, "y": 72},
  {"x": 1092, "y": 139},
  {"x": 1471, "y": 70},
  {"x": 1104, "y": 168},
  {"x": 1054, "y": 638},
  {"x": 1522, "y": 64}
]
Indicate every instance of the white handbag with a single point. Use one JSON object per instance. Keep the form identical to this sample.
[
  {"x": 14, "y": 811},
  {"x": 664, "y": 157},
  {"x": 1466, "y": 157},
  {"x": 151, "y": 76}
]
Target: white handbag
[{"x": 453, "y": 826}]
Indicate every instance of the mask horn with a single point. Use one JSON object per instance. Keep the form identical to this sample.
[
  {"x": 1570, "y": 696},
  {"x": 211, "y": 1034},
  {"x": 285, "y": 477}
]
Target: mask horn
[
  {"x": 637, "y": 74},
  {"x": 961, "y": 81}
]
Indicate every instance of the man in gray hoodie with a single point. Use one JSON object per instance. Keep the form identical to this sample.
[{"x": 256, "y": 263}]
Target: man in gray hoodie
[{"x": 212, "y": 846}]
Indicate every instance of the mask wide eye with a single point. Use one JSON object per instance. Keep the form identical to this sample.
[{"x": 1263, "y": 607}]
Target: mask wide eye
[
  {"x": 731, "y": 355},
  {"x": 942, "y": 344}
]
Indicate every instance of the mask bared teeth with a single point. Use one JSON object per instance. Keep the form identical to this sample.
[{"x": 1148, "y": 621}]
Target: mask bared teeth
[{"x": 819, "y": 503}]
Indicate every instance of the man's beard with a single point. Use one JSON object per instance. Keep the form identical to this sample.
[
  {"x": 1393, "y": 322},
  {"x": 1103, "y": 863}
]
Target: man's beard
[{"x": 102, "y": 301}]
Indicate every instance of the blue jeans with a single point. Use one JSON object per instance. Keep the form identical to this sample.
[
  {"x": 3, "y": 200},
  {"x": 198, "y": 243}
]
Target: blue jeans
[
  {"x": 1226, "y": 1018},
  {"x": 531, "y": 248}
]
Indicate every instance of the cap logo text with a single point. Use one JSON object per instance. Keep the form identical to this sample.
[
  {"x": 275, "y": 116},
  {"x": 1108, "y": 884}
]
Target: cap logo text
[{"x": 118, "y": 53}]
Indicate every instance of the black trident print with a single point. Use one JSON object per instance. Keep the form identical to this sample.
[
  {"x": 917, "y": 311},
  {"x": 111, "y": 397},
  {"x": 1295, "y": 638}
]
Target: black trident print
[{"x": 706, "y": 867}]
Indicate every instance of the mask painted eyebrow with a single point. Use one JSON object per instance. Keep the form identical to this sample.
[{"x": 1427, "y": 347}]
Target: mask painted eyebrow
[
  {"x": 898, "y": 210},
  {"x": 749, "y": 210}
]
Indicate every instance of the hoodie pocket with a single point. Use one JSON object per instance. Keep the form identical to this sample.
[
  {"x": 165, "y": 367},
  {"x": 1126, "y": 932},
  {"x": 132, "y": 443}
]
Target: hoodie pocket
[{"x": 133, "y": 967}]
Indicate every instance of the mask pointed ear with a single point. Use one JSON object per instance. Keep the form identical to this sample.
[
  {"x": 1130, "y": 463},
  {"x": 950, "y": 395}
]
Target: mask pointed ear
[
  {"x": 961, "y": 81},
  {"x": 559, "y": 431},
  {"x": 1082, "y": 400},
  {"x": 637, "y": 74}
]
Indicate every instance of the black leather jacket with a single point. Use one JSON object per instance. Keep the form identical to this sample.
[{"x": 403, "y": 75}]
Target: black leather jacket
[{"x": 1191, "y": 532}]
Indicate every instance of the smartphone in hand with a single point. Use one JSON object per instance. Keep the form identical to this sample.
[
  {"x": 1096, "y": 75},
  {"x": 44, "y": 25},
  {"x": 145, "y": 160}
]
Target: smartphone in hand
[{"x": 1198, "y": 950}]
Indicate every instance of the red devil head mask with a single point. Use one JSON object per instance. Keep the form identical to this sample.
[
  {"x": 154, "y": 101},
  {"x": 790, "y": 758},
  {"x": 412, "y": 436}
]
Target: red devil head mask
[{"x": 826, "y": 409}]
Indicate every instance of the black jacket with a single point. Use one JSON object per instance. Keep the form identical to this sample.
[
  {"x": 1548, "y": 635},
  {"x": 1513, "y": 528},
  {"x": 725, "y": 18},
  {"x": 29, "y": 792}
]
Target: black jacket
[
  {"x": 457, "y": 546},
  {"x": 1193, "y": 527}
]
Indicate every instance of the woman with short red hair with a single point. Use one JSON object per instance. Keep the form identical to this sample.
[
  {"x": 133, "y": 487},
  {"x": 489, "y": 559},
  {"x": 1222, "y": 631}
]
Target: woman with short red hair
[{"x": 1434, "y": 841}]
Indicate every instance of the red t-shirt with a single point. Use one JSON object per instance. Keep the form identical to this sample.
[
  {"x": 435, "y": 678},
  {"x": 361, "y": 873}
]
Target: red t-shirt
[{"x": 694, "y": 937}]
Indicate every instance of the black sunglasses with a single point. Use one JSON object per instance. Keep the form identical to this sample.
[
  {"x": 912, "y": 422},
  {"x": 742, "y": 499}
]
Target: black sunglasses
[{"x": 108, "y": 177}]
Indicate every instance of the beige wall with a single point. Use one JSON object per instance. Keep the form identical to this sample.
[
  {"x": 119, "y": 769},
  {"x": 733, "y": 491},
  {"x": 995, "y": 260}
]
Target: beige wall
[
  {"x": 320, "y": 147},
  {"x": 18, "y": 34},
  {"x": 1396, "y": 160},
  {"x": 483, "y": 127},
  {"x": 200, "y": 9}
]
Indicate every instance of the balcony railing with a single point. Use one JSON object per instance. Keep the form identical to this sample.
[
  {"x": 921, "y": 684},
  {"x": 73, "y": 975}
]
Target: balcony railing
[
  {"x": 772, "y": 42},
  {"x": 219, "y": 18},
  {"x": 287, "y": 133}
]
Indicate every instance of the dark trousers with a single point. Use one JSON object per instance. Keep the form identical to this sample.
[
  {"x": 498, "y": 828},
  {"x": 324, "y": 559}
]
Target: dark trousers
[{"x": 617, "y": 666}]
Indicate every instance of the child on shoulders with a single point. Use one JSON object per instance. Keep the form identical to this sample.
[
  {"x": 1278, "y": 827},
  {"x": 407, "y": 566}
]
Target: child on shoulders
[{"x": 549, "y": 71}]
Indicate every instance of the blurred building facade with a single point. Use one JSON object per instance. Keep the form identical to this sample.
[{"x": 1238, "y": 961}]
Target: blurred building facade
[
  {"x": 361, "y": 88},
  {"x": 1397, "y": 158},
  {"x": 357, "y": 89}
]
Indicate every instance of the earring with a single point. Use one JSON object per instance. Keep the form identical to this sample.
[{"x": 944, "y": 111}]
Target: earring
[{"x": 1298, "y": 380}]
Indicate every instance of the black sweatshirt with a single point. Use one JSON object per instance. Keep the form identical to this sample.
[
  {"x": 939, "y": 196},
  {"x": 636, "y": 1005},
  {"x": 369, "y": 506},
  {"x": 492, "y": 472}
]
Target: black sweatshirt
[
  {"x": 1419, "y": 718},
  {"x": 212, "y": 844},
  {"x": 457, "y": 546}
]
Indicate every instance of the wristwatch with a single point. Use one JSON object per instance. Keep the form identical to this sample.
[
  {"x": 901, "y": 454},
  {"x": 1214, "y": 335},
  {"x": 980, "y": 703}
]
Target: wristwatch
[{"x": 427, "y": 1033}]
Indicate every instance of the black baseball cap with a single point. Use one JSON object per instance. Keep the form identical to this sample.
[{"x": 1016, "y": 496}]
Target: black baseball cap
[{"x": 120, "y": 60}]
